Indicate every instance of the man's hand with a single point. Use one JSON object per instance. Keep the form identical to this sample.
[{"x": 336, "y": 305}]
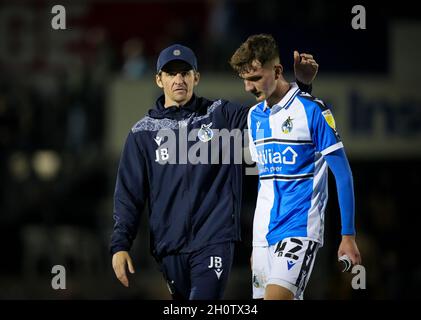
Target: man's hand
[
  {"x": 305, "y": 67},
  {"x": 122, "y": 259},
  {"x": 349, "y": 247}
]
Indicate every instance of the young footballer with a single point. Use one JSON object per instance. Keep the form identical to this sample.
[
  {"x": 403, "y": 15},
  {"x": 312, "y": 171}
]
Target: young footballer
[{"x": 293, "y": 139}]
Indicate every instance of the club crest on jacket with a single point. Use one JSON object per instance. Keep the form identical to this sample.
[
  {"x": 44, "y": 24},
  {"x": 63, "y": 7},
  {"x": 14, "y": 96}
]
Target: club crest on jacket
[{"x": 205, "y": 133}]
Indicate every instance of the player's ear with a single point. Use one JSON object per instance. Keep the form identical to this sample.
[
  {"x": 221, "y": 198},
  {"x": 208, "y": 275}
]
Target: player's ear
[
  {"x": 159, "y": 80},
  {"x": 196, "y": 78},
  {"x": 278, "y": 70}
]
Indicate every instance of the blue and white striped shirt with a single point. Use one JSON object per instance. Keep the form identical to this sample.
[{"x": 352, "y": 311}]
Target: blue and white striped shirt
[{"x": 288, "y": 142}]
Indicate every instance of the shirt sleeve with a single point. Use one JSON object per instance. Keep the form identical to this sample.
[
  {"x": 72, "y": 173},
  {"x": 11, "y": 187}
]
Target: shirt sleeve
[
  {"x": 131, "y": 190},
  {"x": 338, "y": 164},
  {"x": 324, "y": 133}
]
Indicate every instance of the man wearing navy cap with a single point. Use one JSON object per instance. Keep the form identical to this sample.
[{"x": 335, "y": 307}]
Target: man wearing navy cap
[{"x": 194, "y": 208}]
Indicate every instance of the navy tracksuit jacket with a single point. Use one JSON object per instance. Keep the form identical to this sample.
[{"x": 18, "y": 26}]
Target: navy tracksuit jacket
[{"x": 190, "y": 205}]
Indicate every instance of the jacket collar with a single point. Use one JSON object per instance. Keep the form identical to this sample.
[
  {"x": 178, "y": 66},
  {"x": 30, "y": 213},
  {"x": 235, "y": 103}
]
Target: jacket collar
[{"x": 174, "y": 112}]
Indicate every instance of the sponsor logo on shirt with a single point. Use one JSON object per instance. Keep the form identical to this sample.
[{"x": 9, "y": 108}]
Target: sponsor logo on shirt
[{"x": 269, "y": 156}]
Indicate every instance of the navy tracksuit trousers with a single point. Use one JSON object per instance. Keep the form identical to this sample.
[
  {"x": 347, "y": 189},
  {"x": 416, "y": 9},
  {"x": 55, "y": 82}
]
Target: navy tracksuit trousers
[{"x": 200, "y": 275}]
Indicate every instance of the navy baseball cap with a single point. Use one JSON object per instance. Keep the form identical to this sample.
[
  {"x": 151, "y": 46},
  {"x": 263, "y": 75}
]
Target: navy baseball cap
[{"x": 176, "y": 52}]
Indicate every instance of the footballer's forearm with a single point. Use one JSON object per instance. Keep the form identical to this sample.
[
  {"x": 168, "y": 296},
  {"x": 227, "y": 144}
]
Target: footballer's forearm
[{"x": 338, "y": 164}]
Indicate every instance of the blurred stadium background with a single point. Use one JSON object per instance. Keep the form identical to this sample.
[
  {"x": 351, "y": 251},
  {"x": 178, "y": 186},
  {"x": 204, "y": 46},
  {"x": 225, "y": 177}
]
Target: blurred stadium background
[{"x": 69, "y": 97}]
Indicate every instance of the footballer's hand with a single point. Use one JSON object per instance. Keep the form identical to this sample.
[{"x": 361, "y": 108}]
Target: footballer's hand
[
  {"x": 122, "y": 261},
  {"x": 349, "y": 247},
  {"x": 305, "y": 67}
]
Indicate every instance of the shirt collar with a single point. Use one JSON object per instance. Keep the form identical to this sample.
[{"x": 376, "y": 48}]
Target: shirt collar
[{"x": 285, "y": 99}]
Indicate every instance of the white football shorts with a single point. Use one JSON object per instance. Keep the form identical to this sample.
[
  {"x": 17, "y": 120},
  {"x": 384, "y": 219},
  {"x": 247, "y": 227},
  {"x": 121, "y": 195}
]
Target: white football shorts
[{"x": 287, "y": 263}]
